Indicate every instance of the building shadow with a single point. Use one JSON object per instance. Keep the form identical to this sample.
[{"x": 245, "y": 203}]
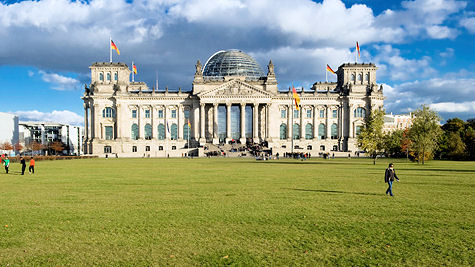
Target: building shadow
[
  {"x": 439, "y": 170},
  {"x": 334, "y": 192}
]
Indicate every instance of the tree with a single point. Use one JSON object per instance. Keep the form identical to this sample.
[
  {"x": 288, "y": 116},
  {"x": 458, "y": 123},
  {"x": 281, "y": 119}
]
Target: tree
[
  {"x": 35, "y": 146},
  {"x": 406, "y": 143},
  {"x": 6, "y": 146},
  {"x": 392, "y": 143},
  {"x": 18, "y": 147},
  {"x": 425, "y": 133},
  {"x": 371, "y": 137},
  {"x": 57, "y": 146}
]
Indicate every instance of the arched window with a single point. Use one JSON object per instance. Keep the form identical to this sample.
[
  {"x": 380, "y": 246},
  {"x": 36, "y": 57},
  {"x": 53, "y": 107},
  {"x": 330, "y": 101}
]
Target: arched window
[
  {"x": 366, "y": 77},
  {"x": 148, "y": 131},
  {"x": 108, "y": 76},
  {"x": 309, "y": 131},
  {"x": 101, "y": 76},
  {"x": 334, "y": 131},
  {"x": 321, "y": 131},
  {"x": 358, "y": 130},
  {"x": 353, "y": 77},
  {"x": 161, "y": 131},
  {"x": 335, "y": 148},
  {"x": 186, "y": 131},
  {"x": 296, "y": 131},
  {"x": 283, "y": 131},
  {"x": 322, "y": 148},
  {"x": 108, "y": 112},
  {"x": 116, "y": 76},
  {"x": 135, "y": 132},
  {"x": 360, "y": 112},
  {"x": 360, "y": 77},
  {"x": 174, "y": 132}
]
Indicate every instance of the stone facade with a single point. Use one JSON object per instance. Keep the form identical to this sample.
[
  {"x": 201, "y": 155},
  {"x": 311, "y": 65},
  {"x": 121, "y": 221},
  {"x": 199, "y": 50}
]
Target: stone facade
[{"x": 130, "y": 119}]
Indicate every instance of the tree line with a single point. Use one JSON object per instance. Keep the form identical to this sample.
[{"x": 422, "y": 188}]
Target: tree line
[
  {"x": 56, "y": 147},
  {"x": 425, "y": 139}
]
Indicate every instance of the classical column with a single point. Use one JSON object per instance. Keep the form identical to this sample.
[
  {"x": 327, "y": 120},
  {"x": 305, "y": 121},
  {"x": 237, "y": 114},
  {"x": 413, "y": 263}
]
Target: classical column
[
  {"x": 165, "y": 122},
  {"x": 228, "y": 121},
  {"x": 243, "y": 123},
  {"x": 202, "y": 122},
  {"x": 327, "y": 114},
  {"x": 179, "y": 122},
  {"x": 255, "y": 125},
  {"x": 95, "y": 123},
  {"x": 268, "y": 134},
  {"x": 302, "y": 127},
  {"x": 290, "y": 127},
  {"x": 315, "y": 126},
  {"x": 118, "y": 125},
  {"x": 215, "y": 121},
  {"x": 350, "y": 121}
]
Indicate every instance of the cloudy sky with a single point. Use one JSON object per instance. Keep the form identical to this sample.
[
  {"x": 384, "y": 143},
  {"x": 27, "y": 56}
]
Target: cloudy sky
[{"x": 424, "y": 48}]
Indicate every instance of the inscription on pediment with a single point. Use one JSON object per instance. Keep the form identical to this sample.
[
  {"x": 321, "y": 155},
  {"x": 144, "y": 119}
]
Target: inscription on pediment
[{"x": 236, "y": 89}]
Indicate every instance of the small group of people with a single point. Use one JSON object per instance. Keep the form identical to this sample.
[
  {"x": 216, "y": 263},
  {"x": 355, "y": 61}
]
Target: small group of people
[{"x": 6, "y": 164}]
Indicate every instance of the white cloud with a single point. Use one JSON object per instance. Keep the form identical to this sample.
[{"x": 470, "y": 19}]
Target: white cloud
[
  {"x": 61, "y": 116},
  {"x": 452, "y": 107},
  {"x": 469, "y": 24},
  {"x": 59, "y": 82}
]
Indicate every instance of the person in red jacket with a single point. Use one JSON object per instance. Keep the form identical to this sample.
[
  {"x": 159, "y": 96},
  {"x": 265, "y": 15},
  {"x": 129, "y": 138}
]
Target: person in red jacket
[{"x": 31, "y": 169}]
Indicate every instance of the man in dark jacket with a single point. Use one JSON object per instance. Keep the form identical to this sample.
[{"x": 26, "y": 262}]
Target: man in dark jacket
[
  {"x": 389, "y": 177},
  {"x": 23, "y": 165}
]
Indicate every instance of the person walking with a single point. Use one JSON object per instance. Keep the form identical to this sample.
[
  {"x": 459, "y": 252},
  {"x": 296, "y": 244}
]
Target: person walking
[
  {"x": 23, "y": 165},
  {"x": 389, "y": 177},
  {"x": 6, "y": 163},
  {"x": 31, "y": 169}
]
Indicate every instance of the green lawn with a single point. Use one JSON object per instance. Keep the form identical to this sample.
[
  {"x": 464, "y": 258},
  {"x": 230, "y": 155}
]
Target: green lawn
[{"x": 142, "y": 212}]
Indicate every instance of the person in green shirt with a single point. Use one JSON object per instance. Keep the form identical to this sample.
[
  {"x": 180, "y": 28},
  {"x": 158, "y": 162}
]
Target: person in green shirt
[{"x": 6, "y": 163}]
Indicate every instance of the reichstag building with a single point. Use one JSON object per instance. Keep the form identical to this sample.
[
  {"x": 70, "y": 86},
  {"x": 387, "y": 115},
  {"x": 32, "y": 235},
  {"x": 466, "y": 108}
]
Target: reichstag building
[{"x": 232, "y": 103}]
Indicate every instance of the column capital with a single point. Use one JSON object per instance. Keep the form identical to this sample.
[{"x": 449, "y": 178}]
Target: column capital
[
  {"x": 228, "y": 104},
  {"x": 243, "y": 104},
  {"x": 215, "y": 104},
  {"x": 202, "y": 104}
]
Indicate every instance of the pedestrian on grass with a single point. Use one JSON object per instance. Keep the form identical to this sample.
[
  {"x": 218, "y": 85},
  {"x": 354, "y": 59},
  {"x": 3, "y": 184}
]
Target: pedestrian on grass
[
  {"x": 31, "y": 169},
  {"x": 389, "y": 177},
  {"x": 23, "y": 165},
  {"x": 6, "y": 163}
]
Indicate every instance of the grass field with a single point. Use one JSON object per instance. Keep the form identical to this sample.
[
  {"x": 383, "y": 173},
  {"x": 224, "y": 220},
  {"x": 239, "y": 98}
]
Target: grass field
[{"x": 153, "y": 212}]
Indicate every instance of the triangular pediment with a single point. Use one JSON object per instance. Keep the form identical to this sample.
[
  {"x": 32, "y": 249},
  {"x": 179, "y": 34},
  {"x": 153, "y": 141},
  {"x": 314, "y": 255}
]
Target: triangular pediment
[{"x": 235, "y": 88}]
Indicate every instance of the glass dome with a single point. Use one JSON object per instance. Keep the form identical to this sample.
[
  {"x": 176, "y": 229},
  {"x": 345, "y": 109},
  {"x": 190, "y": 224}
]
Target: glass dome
[{"x": 232, "y": 63}]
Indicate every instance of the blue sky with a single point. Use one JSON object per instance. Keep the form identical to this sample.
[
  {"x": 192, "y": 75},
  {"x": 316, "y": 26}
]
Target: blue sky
[{"x": 424, "y": 48}]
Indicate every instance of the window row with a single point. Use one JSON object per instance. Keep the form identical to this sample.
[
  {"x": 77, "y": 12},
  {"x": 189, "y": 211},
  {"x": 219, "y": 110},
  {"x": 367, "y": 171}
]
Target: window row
[
  {"x": 358, "y": 112},
  {"x": 161, "y": 129},
  {"x": 160, "y": 113},
  {"x": 108, "y": 76},
  {"x": 308, "y": 131},
  {"x": 360, "y": 77},
  {"x": 108, "y": 149}
]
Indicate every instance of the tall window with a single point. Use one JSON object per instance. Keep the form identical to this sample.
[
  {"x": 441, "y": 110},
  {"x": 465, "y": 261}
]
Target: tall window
[
  {"x": 147, "y": 113},
  {"x": 296, "y": 131},
  {"x": 186, "y": 113},
  {"x": 101, "y": 76},
  {"x": 135, "y": 132},
  {"x": 174, "y": 132},
  {"x": 161, "y": 131},
  {"x": 296, "y": 113},
  {"x": 283, "y": 131},
  {"x": 186, "y": 131},
  {"x": 160, "y": 114},
  {"x": 360, "y": 112},
  {"x": 360, "y": 77},
  {"x": 134, "y": 148},
  {"x": 358, "y": 130},
  {"x": 108, "y": 76},
  {"x": 334, "y": 131},
  {"x": 322, "y": 113},
  {"x": 309, "y": 131},
  {"x": 109, "y": 133},
  {"x": 353, "y": 77},
  {"x": 134, "y": 113},
  {"x": 335, "y": 113},
  {"x": 283, "y": 113},
  {"x": 116, "y": 76},
  {"x": 147, "y": 148},
  {"x": 367, "y": 77},
  {"x": 309, "y": 113},
  {"x": 174, "y": 113},
  {"x": 108, "y": 112},
  {"x": 107, "y": 149},
  {"x": 321, "y": 131},
  {"x": 148, "y": 131}
]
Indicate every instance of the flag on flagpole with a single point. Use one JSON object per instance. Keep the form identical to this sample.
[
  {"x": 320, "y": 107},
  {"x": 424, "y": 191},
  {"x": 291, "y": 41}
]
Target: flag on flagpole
[
  {"x": 189, "y": 124},
  {"x": 330, "y": 69},
  {"x": 358, "y": 49},
  {"x": 296, "y": 98},
  {"x": 134, "y": 68},
  {"x": 114, "y": 47}
]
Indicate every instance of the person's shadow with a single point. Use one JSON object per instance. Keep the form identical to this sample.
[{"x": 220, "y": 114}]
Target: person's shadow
[{"x": 333, "y": 191}]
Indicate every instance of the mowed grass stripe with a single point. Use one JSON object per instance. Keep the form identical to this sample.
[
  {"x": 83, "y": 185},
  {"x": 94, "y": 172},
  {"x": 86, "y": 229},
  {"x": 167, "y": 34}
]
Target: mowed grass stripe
[{"x": 142, "y": 212}]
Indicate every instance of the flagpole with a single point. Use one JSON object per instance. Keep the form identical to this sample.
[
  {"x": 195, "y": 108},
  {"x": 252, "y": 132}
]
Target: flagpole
[
  {"x": 133, "y": 72},
  {"x": 110, "y": 49},
  {"x": 356, "y": 54},
  {"x": 292, "y": 125},
  {"x": 326, "y": 75}
]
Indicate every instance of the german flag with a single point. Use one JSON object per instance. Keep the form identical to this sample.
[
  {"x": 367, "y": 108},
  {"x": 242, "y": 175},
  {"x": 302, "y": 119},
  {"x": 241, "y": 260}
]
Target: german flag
[
  {"x": 330, "y": 69},
  {"x": 296, "y": 98},
  {"x": 134, "y": 68},
  {"x": 189, "y": 124},
  {"x": 358, "y": 49},
  {"x": 114, "y": 47}
]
